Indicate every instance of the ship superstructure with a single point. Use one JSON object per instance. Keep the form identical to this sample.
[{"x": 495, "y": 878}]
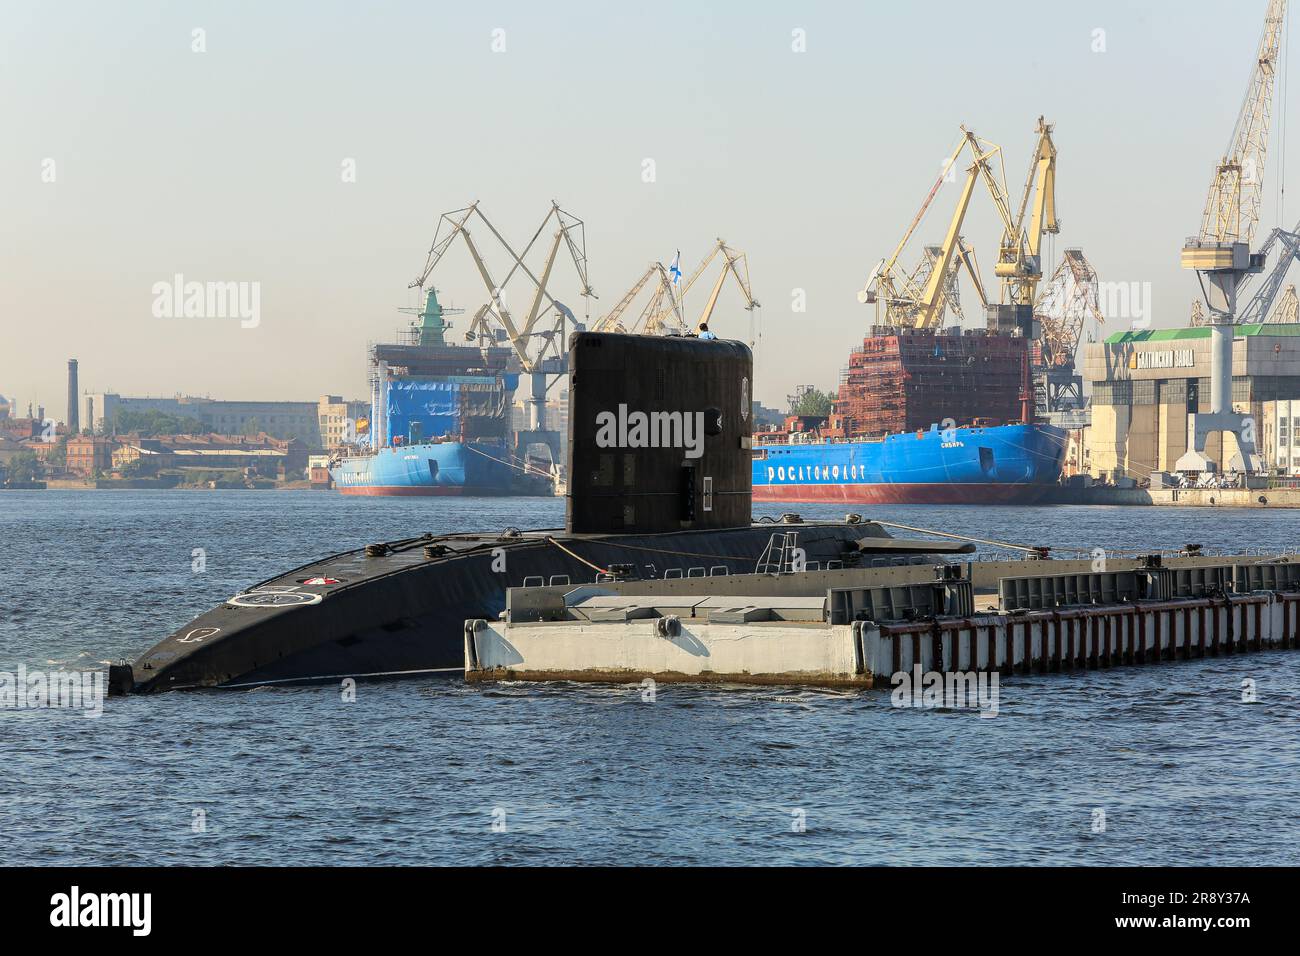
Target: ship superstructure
[{"x": 441, "y": 411}]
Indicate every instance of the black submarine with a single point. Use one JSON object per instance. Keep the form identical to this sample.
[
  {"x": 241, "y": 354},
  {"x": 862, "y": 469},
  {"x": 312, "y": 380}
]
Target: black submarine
[{"x": 659, "y": 486}]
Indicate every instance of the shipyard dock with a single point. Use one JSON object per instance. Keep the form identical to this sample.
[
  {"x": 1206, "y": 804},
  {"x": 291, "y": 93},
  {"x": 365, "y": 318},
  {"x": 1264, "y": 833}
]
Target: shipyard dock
[
  {"x": 860, "y": 627},
  {"x": 1175, "y": 497}
]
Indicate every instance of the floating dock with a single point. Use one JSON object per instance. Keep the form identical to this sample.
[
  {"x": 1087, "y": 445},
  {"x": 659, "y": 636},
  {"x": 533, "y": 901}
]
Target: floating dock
[{"x": 859, "y": 627}]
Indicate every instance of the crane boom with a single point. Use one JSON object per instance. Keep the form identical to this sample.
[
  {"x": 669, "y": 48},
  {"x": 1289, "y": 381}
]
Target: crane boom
[
  {"x": 610, "y": 320},
  {"x": 1233, "y": 205},
  {"x": 919, "y": 299},
  {"x": 1260, "y": 307},
  {"x": 928, "y": 315},
  {"x": 729, "y": 268},
  {"x": 1020, "y": 264},
  {"x": 929, "y": 308},
  {"x": 454, "y": 225},
  {"x": 735, "y": 263},
  {"x": 1288, "y": 308},
  {"x": 888, "y": 265},
  {"x": 654, "y": 315}
]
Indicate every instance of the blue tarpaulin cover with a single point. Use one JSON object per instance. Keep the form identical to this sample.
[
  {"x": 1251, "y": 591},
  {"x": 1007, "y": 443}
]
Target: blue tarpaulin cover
[{"x": 435, "y": 405}]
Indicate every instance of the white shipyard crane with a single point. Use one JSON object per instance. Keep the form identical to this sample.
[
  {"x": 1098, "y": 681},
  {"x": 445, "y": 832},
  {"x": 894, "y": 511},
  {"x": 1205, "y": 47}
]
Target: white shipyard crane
[
  {"x": 569, "y": 231},
  {"x": 1220, "y": 253},
  {"x": 540, "y": 345},
  {"x": 666, "y": 309},
  {"x": 649, "y": 322},
  {"x": 734, "y": 263}
]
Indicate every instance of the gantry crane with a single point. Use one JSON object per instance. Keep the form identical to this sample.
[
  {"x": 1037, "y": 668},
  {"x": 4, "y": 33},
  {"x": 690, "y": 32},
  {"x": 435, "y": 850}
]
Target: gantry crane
[
  {"x": 734, "y": 263},
  {"x": 569, "y": 231},
  {"x": 1259, "y": 308},
  {"x": 539, "y": 347},
  {"x": 1220, "y": 252},
  {"x": 919, "y": 299},
  {"x": 907, "y": 302},
  {"x": 649, "y": 321},
  {"x": 1020, "y": 263},
  {"x": 1288, "y": 308},
  {"x": 950, "y": 295},
  {"x": 1067, "y": 302}
]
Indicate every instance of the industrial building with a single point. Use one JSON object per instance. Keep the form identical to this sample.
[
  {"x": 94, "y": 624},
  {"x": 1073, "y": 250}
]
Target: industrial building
[
  {"x": 89, "y": 455},
  {"x": 1145, "y": 384},
  {"x": 341, "y": 422},
  {"x": 267, "y": 456},
  {"x": 278, "y": 419}
]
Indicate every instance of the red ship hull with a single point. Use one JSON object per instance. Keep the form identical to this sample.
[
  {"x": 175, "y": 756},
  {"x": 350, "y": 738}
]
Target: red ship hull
[{"x": 441, "y": 491}]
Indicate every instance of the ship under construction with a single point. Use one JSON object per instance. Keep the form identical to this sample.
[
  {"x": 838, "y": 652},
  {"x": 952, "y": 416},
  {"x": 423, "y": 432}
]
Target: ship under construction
[
  {"x": 931, "y": 412},
  {"x": 441, "y": 411}
]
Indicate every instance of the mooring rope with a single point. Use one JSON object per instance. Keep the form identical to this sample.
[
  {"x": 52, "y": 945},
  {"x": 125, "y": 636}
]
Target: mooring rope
[
  {"x": 577, "y": 557},
  {"x": 525, "y": 468},
  {"x": 965, "y": 537}
]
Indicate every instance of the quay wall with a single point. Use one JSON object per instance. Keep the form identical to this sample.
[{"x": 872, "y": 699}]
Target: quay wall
[{"x": 866, "y": 654}]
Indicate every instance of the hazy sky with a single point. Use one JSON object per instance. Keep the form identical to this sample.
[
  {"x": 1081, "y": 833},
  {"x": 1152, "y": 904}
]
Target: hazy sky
[{"x": 227, "y": 165}]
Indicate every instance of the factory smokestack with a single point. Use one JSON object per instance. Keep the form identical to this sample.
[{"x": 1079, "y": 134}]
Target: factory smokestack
[{"x": 73, "y": 423}]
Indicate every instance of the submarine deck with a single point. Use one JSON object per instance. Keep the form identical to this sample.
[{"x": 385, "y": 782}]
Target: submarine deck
[{"x": 399, "y": 607}]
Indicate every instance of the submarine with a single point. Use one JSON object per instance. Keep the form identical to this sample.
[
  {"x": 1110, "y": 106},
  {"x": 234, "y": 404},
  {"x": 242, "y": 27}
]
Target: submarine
[{"x": 660, "y": 468}]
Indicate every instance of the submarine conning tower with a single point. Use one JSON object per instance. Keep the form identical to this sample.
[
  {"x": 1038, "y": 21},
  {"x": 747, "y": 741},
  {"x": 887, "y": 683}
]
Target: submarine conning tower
[{"x": 659, "y": 434}]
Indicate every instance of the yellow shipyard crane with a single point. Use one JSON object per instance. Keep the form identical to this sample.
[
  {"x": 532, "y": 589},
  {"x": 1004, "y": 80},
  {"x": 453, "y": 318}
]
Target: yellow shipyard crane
[
  {"x": 665, "y": 311},
  {"x": 950, "y": 296},
  {"x": 650, "y": 321},
  {"x": 1020, "y": 263},
  {"x": 919, "y": 299},
  {"x": 1288, "y": 308},
  {"x": 905, "y": 301},
  {"x": 539, "y": 334},
  {"x": 734, "y": 264}
]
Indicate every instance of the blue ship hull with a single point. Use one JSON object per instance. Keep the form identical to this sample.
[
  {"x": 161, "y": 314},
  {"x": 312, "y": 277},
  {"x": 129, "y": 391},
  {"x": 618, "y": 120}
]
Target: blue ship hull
[
  {"x": 443, "y": 468},
  {"x": 1004, "y": 464}
]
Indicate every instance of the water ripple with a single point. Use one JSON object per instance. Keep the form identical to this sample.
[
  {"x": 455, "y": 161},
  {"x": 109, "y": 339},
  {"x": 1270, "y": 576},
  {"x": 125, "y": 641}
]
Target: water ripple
[{"x": 433, "y": 771}]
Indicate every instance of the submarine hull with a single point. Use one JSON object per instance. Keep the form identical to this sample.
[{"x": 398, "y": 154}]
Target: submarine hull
[
  {"x": 659, "y": 465},
  {"x": 400, "y": 608}
]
